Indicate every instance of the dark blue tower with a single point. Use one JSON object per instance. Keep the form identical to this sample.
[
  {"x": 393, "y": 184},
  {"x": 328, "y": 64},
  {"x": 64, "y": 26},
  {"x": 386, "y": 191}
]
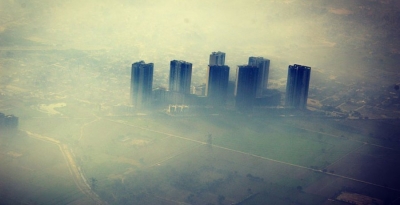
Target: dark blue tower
[{"x": 298, "y": 81}]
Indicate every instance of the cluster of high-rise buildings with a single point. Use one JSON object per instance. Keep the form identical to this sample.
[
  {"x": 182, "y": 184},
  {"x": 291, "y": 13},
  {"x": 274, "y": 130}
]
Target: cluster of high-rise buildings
[{"x": 249, "y": 88}]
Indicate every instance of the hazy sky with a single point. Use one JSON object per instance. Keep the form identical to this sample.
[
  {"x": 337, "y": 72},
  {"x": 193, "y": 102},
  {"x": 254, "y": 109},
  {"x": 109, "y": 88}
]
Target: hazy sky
[
  {"x": 293, "y": 31},
  {"x": 351, "y": 39}
]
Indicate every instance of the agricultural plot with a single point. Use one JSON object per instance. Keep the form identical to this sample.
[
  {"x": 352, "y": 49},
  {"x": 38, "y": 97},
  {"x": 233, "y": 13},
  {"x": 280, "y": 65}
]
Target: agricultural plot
[
  {"x": 171, "y": 159},
  {"x": 378, "y": 132},
  {"x": 113, "y": 148},
  {"x": 159, "y": 159},
  {"x": 268, "y": 139},
  {"x": 372, "y": 164},
  {"x": 331, "y": 186},
  {"x": 210, "y": 175},
  {"x": 293, "y": 146}
]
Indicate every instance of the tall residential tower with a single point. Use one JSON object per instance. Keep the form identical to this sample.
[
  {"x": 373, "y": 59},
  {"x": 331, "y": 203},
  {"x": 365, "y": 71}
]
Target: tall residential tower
[
  {"x": 217, "y": 84},
  {"x": 245, "y": 87},
  {"x": 180, "y": 76},
  {"x": 141, "y": 84},
  {"x": 217, "y": 79},
  {"x": 217, "y": 58},
  {"x": 298, "y": 81},
  {"x": 263, "y": 71}
]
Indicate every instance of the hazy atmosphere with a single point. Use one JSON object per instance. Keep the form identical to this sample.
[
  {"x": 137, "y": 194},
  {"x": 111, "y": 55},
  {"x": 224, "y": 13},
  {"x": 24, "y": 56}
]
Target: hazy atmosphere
[{"x": 70, "y": 134}]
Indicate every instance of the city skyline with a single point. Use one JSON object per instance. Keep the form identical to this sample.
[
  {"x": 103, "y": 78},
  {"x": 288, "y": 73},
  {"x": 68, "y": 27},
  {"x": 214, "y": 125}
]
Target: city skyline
[
  {"x": 250, "y": 85},
  {"x": 81, "y": 124}
]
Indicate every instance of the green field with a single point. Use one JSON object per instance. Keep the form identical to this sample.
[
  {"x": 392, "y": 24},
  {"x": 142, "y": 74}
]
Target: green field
[
  {"x": 161, "y": 159},
  {"x": 271, "y": 138},
  {"x": 118, "y": 151}
]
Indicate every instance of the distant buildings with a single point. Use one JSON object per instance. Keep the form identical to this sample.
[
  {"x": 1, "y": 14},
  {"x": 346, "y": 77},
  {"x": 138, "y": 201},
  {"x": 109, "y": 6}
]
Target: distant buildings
[
  {"x": 249, "y": 90},
  {"x": 141, "y": 84},
  {"x": 262, "y": 76},
  {"x": 245, "y": 87},
  {"x": 8, "y": 121},
  {"x": 2, "y": 119},
  {"x": 298, "y": 81},
  {"x": 199, "y": 90}
]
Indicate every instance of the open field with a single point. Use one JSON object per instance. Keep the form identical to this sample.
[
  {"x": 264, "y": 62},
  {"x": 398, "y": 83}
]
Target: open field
[
  {"x": 66, "y": 129},
  {"x": 34, "y": 172},
  {"x": 174, "y": 163},
  {"x": 268, "y": 138},
  {"x": 171, "y": 160},
  {"x": 331, "y": 186},
  {"x": 382, "y": 133},
  {"x": 201, "y": 175},
  {"x": 371, "y": 164}
]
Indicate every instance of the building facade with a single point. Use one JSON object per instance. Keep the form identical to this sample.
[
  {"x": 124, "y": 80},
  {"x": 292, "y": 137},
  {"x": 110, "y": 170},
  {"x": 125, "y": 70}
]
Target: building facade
[
  {"x": 141, "y": 84},
  {"x": 245, "y": 86},
  {"x": 217, "y": 84},
  {"x": 180, "y": 76},
  {"x": 263, "y": 72},
  {"x": 217, "y": 58},
  {"x": 298, "y": 81}
]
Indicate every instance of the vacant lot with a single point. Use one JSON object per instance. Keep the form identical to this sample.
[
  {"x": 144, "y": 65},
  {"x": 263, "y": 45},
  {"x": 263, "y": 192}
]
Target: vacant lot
[
  {"x": 373, "y": 164},
  {"x": 159, "y": 159},
  {"x": 170, "y": 159},
  {"x": 34, "y": 172}
]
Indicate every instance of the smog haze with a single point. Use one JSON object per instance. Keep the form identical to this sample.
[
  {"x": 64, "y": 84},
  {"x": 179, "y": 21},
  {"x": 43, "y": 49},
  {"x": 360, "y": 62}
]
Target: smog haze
[{"x": 69, "y": 133}]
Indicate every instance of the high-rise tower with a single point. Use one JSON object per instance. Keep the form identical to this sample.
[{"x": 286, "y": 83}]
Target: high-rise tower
[
  {"x": 217, "y": 84},
  {"x": 217, "y": 58},
  {"x": 263, "y": 72},
  {"x": 141, "y": 83},
  {"x": 245, "y": 87},
  {"x": 180, "y": 76},
  {"x": 217, "y": 79},
  {"x": 298, "y": 81}
]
